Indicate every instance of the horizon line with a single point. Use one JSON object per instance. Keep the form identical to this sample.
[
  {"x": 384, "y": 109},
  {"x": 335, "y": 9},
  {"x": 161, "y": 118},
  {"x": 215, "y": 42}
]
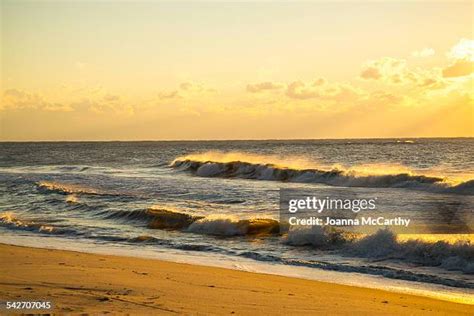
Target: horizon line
[{"x": 225, "y": 140}]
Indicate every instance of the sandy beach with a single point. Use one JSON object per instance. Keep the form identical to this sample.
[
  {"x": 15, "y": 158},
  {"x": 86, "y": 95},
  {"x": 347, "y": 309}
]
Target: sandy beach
[{"x": 89, "y": 283}]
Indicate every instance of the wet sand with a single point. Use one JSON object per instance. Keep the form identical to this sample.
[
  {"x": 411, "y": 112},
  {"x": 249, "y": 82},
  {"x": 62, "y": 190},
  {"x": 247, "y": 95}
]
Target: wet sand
[{"x": 89, "y": 283}]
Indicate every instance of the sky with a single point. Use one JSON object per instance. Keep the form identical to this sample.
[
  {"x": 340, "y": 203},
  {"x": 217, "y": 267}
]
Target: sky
[{"x": 172, "y": 70}]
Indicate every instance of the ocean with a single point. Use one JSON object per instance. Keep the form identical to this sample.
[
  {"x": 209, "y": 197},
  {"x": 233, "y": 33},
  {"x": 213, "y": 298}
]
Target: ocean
[{"x": 217, "y": 202}]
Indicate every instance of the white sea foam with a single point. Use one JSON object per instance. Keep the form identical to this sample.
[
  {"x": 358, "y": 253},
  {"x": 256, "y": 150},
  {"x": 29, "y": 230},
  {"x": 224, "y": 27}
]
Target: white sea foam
[{"x": 259, "y": 168}]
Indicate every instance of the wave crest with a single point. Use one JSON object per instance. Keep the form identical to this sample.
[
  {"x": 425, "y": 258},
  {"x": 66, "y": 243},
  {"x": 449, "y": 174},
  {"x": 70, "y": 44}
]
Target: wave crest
[
  {"x": 221, "y": 225},
  {"x": 9, "y": 219},
  {"x": 165, "y": 219},
  {"x": 385, "y": 245},
  {"x": 336, "y": 176},
  {"x": 228, "y": 226},
  {"x": 66, "y": 189}
]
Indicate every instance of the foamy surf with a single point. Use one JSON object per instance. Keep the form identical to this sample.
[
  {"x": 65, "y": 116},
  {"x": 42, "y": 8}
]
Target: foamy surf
[{"x": 383, "y": 245}]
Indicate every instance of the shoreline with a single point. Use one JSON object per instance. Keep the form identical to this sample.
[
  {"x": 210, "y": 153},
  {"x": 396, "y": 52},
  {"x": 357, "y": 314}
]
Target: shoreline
[
  {"x": 377, "y": 282},
  {"x": 79, "y": 282}
]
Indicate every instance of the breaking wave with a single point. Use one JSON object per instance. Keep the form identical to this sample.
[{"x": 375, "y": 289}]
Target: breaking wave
[
  {"x": 273, "y": 170},
  {"x": 218, "y": 225},
  {"x": 9, "y": 219},
  {"x": 384, "y": 245},
  {"x": 228, "y": 226},
  {"x": 381, "y": 246}
]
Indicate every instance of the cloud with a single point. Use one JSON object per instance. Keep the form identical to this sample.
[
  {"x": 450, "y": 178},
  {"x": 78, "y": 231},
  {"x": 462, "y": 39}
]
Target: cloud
[
  {"x": 322, "y": 90},
  {"x": 371, "y": 72},
  {"x": 395, "y": 71},
  {"x": 187, "y": 90},
  {"x": 464, "y": 49},
  {"x": 15, "y": 99},
  {"x": 388, "y": 69},
  {"x": 459, "y": 68},
  {"x": 102, "y": 106},
  {"x": 301, "y": 90},
  {"x": 319, "y": 89},
  {"x": 169, "y": 95},
  {"x": 18, "y": 99},
  {"x": 425, "y": 52},
  {"x": 462, "y": 55},
  {"x": 14, "y": 93},
  {"x": 264, "y": 86},
  {"x": 192, "y": 87}
]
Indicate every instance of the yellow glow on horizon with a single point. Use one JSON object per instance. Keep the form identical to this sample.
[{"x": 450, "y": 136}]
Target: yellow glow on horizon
[{"x": 77, "y": 71}]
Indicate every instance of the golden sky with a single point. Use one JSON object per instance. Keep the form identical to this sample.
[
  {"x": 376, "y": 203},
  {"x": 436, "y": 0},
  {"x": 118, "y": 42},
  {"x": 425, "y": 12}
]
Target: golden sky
[{"x": 105, "y": 70}]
